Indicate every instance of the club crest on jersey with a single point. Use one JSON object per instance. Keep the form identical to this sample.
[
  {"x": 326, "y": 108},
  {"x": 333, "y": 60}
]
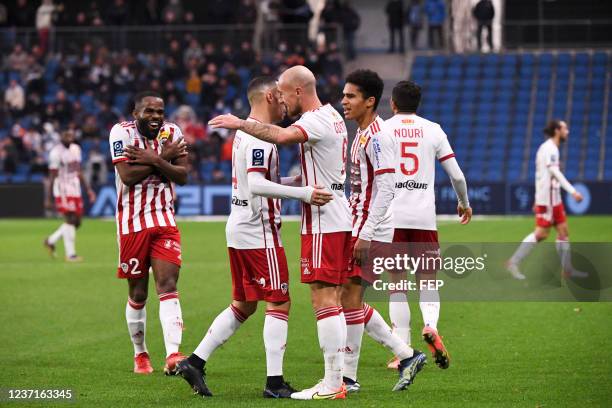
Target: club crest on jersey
[
  {"x": 163, "y": 136},
  {"x": 117, "y": 148},
  {"x": 362, "y": 140},
  {"x": 284, "y": 288},
  {"x": 124, "y": 267},
  {"x": 258, "y": 157}
]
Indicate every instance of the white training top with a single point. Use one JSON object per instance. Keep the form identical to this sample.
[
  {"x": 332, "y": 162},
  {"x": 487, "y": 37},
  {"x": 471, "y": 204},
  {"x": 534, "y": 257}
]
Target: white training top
[
  {"x": 67, "y": 162},
  {"x": 323, "y": 156},
  {"x": 420, "y": 142},
  {"x": 254, "y": 221},
  {"x": 373, "y": 154},
  {"x": 548, "y": 176}
]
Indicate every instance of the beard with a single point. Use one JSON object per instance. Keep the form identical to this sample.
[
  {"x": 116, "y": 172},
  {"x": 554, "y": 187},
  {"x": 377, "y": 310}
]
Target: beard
[{"x": 143, "y": 128}]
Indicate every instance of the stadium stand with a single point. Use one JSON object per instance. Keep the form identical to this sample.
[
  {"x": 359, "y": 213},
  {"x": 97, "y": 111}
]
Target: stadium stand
[{"x": 494, "y": 106}]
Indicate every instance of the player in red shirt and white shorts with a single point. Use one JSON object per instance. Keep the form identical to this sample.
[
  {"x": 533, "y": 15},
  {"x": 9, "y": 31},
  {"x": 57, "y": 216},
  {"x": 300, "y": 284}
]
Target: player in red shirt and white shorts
[
  {"x": 373, "y": 156},
  {"x": 326, "y": 231},
  {"x": 65, "y": 183},
  {"x": 149, "y": 156},
  {"x": 548, "y": 207},
  {"x": 421, "y": 143},
  {"x": 257, "y": 258}
]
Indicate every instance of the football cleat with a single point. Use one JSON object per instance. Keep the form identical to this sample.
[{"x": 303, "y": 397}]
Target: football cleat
[
  {"x": 408, "y": 369},
  {"x": 171, "y": 361},
  {"x": 393, "y": 364},
  {"x": 575, "y": 273},
  {"x": 351, "y": 385},
  {"x": 50, "y": 248},
  {"x": 320, "y": 392},
  {"x": 515, "y": 271},
  {"x": 74, "y": 258},
  {"x": 142, "y": 364},
  {"x": 436, "y": 346},
  {"x": 284, "y": 391},
  {"x": 195, "y": 377}
]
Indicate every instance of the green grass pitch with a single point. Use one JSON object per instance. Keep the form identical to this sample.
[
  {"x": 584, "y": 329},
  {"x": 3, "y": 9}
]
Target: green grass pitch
[{"x": 63, "y": 327}]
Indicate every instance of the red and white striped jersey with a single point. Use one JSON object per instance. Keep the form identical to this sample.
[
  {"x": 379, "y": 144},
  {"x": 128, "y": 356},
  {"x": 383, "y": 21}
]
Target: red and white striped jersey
[
  {"x": 254, "y": 221},
  {"x": 323, "y": 157},
  {"x": 149, "y": 203},
  {"x": 420, "y": 143},
  {"x": 547, "y": 188},
  {"x": 67, "y": 162},
  {"x": 373, "y": 152}
]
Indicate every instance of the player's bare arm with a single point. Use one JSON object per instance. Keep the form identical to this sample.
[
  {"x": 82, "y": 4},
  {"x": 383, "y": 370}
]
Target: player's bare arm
[
  {"x": 132, "y": 174},
  {"x": 176, "y": 172},
  {"x": 90, "y": 193},
  {"x": 49, "y": 198},
  {"x": 361, "y": 251},
  {"x": 262, "y": 131},
  {"x": 172, "y": 150}
]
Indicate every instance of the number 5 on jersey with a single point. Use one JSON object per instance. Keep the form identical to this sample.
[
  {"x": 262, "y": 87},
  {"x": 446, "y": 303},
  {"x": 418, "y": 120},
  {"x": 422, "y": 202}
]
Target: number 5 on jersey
[{"x": 411, "y": 165}]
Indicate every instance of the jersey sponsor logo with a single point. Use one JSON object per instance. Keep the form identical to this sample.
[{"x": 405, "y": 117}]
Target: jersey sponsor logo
[
  {"x": 408, "y": 132},
  {"x": 411, "y": 185},
  {"x": 117, "y": 148},
  {"x": 377, "y": 150},
  {"x": 258, "y": 157},
  {"x": 337, "y": 186},
  {"x": 239, "y": 202}
]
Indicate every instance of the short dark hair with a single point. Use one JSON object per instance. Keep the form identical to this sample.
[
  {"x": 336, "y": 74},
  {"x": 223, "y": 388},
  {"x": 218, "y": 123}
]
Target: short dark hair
[
  {"x": 407, "y": 96},
  {"x": 551, "y": 126},
  {"x": 144, "y": 94},
  {"x": 259, "y": 83},
  {"x": 369, "y": 84}
]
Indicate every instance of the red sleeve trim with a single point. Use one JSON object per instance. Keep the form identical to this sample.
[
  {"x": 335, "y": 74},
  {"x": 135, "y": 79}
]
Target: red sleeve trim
[
  {"x": 257, "y": 169},
  {"x": 448, "y": 156},
  {"x": 383, "y": 171},
  {"x": 303, "y": 132},
  {"x": 120, "y": 159}
]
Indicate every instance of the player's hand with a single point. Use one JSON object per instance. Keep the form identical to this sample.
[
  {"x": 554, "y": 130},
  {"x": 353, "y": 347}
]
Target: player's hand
[
  {"x": 173, "y": 150},
  {"x": 465, "y": 214},
  {"x": 91, "y": 195},
  {"x": 227, "y": 121},
  {"x": 320, "y": 197},
  {"x": 361, "y": 251},
  {"x": 577, "y": 196},
  {"x": 136, "y": 155}
]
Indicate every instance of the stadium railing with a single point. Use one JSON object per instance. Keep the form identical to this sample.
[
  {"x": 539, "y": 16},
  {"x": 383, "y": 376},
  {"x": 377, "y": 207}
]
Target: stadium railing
[{"x": 557, "y": 33}]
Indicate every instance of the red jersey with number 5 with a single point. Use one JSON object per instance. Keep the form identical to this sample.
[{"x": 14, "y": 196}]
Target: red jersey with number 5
[{"x": 420, "y": 143}]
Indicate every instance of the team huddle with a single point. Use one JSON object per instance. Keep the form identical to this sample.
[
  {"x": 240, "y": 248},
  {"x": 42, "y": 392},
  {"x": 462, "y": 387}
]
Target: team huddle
[{"x": 391, "y": 203}]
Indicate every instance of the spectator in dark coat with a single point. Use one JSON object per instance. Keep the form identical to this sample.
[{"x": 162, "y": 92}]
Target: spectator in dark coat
[
  {"x": 436, "y": 14},
  {"x": 483, "y": 13},
  {"x": 395, "y": 21}
]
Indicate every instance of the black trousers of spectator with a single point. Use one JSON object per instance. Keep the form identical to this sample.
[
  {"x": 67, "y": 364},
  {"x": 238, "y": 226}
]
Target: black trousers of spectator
[
  {"x": 489, "y": 28},
  {"x": 435, "y": 31},
  {"x": 393, "y": 30},
  {"x": 349, "y": 45}
]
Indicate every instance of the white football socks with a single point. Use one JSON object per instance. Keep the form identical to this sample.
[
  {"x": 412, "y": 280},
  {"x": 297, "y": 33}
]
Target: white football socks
[
  {"x": 69, "y": 240},
  {"x": 379, "y": 330},
  {"x": 136, "y": 317},
  {"x": 329, "y": 329},
  {"x": 275, "y": 340},
  {"x": 429, "y": 302},
  {"x": 565, "y": 256},
  {"x": 354, "y": 330},
  {"x": 171, "y": 321},
  {"x": 221, "y": 329},
  {"x": 529, "y": 242},
  {"x": 53, "y": 238},
  {"x": 399, "y": 314}
]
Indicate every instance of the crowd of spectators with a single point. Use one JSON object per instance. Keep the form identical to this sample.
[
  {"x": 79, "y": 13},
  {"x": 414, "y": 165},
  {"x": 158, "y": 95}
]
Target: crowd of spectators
[{"x": 90, "y": 88}]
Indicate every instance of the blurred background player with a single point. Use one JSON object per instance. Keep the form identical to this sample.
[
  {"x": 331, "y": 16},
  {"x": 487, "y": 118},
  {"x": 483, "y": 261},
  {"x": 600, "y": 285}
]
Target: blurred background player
[
  {"x": 421, "y": 143},
  {"x": 373, "y": 156},
  {"x": 326, "y": 231},
  {"x": 257, "y": 257},
  {"x": 548, "y": 207},
  {"x": 149, "y": 155},
  {"x": 66, "y": 180}
]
